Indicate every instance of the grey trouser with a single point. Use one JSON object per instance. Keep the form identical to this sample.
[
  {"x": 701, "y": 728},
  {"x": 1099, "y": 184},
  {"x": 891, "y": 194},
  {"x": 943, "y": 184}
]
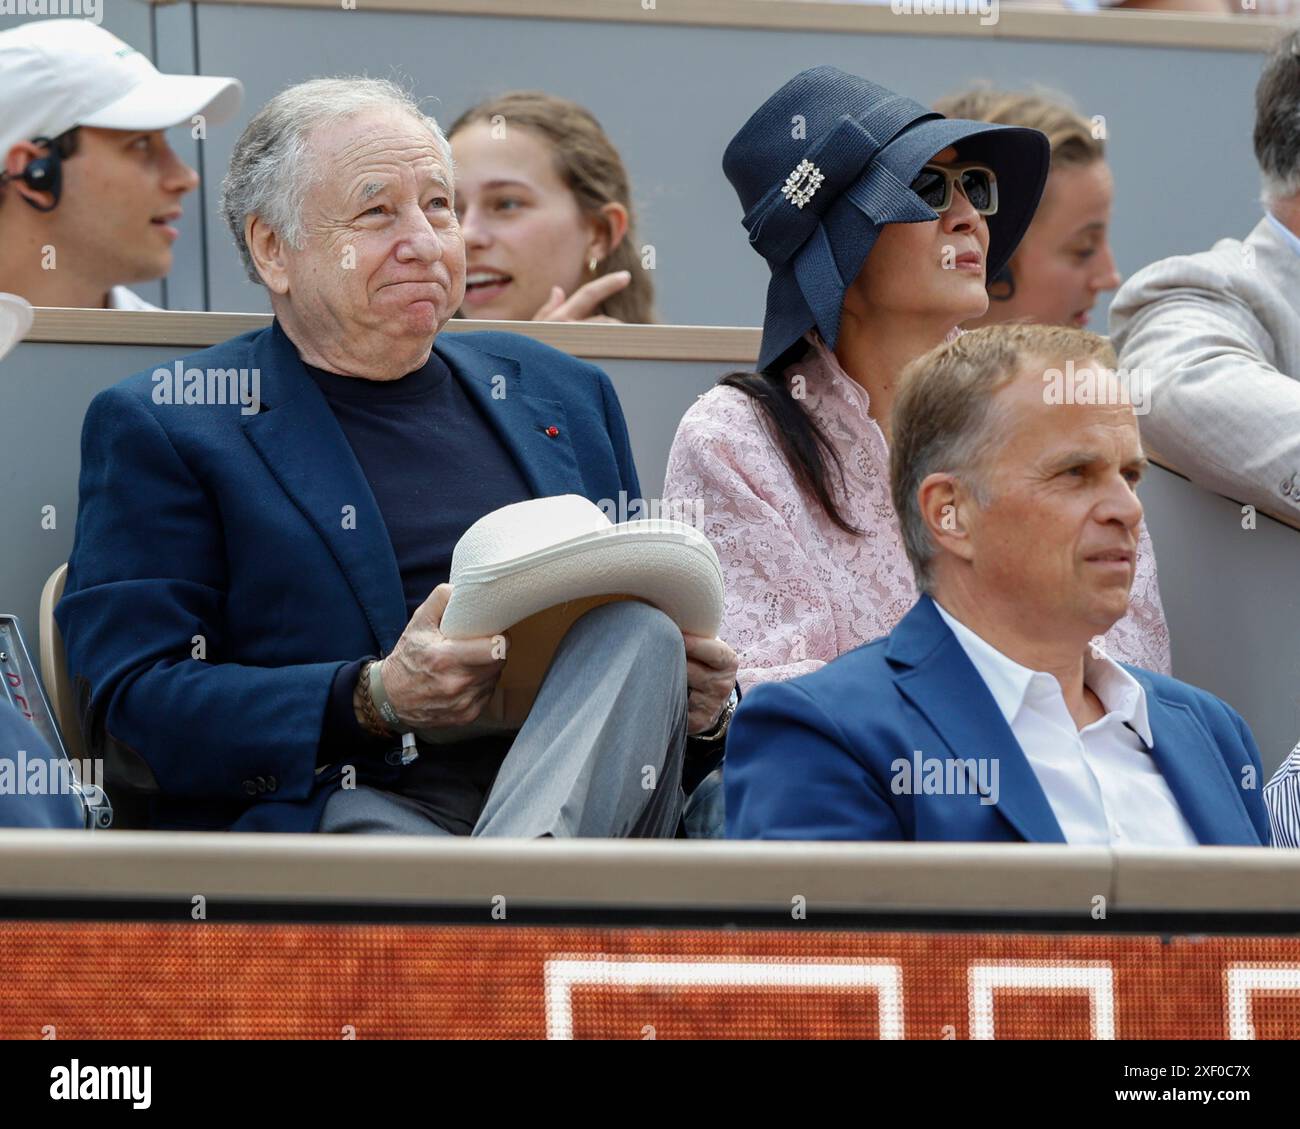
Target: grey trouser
[{"x": 600, "y": 754}]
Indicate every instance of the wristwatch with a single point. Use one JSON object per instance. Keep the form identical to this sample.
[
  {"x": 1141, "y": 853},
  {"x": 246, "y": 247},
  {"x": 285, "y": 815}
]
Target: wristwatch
[
  {"x": 719, "y": 731},
  {"x": 380, "y": 717},
  {"x": 371, "y": 721},
  {"x": 374, "y": 675}
]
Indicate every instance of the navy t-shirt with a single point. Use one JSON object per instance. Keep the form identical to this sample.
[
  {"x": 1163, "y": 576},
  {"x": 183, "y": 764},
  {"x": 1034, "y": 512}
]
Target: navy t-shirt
[
  {"x": 434, "y": 463},
  {"x": 435, "y": 466}
]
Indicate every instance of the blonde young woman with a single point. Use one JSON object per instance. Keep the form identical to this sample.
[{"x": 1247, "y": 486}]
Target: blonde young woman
[
  {"x": 546, "y": 209},
  {"x": 880, "y": 225},
  {"x": 1065, "y": 261}
]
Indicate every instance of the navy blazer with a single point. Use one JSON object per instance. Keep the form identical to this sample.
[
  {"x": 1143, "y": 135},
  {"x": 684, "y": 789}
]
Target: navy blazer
[
  {"x": 215, "y": 587},
  {"x": 815, "y": 757}
]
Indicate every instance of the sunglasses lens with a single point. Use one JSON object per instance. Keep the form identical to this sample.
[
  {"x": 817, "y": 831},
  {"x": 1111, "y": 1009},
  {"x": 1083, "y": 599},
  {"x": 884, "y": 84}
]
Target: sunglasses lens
[
  {"x": 931, "y": 187},
  {"x": 978, "y": 188}
]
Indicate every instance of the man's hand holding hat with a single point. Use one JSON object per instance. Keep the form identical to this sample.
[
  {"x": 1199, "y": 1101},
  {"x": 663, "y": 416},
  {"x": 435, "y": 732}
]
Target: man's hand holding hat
[
  {"x": 711, "y": 668},
  {"x": 433, "y": 682},
  {"x": 533, "y": 568}
]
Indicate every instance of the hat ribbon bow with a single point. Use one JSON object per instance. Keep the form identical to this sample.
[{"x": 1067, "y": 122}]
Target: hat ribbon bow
[{"x": 786, "y": 216}]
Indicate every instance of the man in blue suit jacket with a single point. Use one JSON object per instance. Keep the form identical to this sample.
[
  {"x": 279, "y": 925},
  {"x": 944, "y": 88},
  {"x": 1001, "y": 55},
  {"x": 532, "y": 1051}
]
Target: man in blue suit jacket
[
  {"x": 990, "y": 713},
  {"x": 260, "y": 522}
]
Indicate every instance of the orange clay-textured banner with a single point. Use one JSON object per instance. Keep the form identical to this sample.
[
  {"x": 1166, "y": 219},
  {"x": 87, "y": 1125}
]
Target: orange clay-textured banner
[{"x": 72, "y": 980}]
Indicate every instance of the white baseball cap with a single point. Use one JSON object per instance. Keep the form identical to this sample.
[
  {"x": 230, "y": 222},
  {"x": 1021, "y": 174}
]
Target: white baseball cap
[{"x": 59, "y": 74}]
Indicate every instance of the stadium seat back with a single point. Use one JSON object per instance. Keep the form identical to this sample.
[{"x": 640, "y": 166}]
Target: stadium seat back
[{"x": 54, "y": 667}]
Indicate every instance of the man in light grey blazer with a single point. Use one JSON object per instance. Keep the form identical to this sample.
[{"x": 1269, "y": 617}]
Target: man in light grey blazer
[{"x": 1218, "y": 333}]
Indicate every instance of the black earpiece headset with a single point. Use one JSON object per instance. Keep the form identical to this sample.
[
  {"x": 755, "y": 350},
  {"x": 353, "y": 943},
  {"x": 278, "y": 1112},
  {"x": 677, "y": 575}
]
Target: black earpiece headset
[{"x": 43, "y": 174}]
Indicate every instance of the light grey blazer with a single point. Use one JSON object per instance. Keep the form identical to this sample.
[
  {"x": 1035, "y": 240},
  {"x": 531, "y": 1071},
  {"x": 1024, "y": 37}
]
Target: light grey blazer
[{"x": 1219, "y": 334}]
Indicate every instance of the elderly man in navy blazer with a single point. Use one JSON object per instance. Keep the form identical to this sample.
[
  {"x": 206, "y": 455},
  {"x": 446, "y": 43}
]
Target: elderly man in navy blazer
[
  {"x": 251, "y": 539},
  {"x": 991, "y": 713}
]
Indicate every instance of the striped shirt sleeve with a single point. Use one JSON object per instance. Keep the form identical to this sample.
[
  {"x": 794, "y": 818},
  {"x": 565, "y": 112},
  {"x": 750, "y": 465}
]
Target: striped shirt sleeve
[{"x": 1282, "y": 798}]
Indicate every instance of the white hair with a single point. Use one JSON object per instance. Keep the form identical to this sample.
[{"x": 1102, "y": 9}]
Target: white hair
[{"x": 270, "y": 168}]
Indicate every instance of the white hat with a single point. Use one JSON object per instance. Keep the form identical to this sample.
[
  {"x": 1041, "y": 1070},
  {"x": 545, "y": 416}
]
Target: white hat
[
  {"x": 534, "y": 567},
  {"x": 58, "y": 74},
  {"x": 15, "y": 320}
]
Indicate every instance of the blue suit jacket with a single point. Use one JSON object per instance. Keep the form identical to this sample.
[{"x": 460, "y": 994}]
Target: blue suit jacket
[
  {"x": 204, "y": 521},
  {"x": 814, "y": 758}
]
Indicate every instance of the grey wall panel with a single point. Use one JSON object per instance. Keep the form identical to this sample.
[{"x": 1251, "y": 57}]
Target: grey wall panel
[
  {"x": 44, "y": 392},
  {"x": 185, "y": 287},
  {"x": 672, "y": 96},
  {"x": 127, "y": 19},
  {"x": 1230, "y": 594},
  {"x": 1233, "y": 603}
]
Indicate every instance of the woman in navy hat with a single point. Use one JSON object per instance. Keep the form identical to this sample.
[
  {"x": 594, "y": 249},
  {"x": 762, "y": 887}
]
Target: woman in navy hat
[{"x": 880, "y": 221}]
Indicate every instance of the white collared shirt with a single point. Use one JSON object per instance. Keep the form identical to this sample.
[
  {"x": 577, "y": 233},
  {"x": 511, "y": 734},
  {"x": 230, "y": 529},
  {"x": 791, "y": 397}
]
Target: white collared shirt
[
  {"x": 1101, "y": 781},
  {"x": 1289, "y": 237}
]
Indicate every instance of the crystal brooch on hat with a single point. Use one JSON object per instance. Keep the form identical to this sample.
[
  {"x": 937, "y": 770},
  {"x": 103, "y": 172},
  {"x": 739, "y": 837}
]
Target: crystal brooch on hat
[{"x": 802, "y": 184}]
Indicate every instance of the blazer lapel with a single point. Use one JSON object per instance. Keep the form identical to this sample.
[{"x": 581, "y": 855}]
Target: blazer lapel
[
  {"x": 535, "y": 431},
  {"x": 1185, "y": 753},
  {"x": 304, "y": 447},
  {"x": 939, "y": 680}
]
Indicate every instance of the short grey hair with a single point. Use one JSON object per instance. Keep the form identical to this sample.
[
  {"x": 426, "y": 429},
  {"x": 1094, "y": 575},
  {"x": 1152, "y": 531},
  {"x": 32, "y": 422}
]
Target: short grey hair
[
  {"x": 271, "y": 170},
  {"x": 947, "y": 420},
  {"x": 1277, "y": 121}
]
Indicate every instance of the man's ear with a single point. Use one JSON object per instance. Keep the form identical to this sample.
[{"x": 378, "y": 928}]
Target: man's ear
[
  {"x": 267, "y": 251},
  {"x": 948, "y": 510},
  {"x": 16, "y": 160}
]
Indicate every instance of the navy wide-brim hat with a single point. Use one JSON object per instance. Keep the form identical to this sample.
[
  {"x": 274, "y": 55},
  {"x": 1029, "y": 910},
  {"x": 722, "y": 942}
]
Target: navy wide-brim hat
[{"x": 826, "y": 161}]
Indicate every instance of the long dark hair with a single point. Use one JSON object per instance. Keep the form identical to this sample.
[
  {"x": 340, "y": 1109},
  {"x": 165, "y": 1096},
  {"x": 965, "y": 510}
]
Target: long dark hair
[{"x": 800, "y": 438}]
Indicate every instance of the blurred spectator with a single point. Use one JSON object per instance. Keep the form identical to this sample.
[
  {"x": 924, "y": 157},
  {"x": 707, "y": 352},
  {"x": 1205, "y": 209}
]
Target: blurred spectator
[
  {"x": 989, "y": 714},
  {"x": 1222, "y": 7},
  {"x": 1064, "y": 260},
  {"x": 1209, "y": 7},
  {"x": 544, "y": 202},
  {"x": 1218, "y": 332},
  {"x": 1282, "y": 798},
  {"x": 90, "y": 190},
  {"x": 16, "y": 315}
]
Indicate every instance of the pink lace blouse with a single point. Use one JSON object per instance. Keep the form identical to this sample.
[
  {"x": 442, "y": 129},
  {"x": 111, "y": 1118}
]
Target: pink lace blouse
[{"x": 799, "y": 590}]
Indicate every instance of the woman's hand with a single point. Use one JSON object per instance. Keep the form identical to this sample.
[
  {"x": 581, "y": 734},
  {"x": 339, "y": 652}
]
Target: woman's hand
[{"x": 586, "y": 300}]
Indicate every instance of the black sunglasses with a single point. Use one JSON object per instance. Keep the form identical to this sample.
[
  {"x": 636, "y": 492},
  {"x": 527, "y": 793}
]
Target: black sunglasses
[{"x": 978, "y": 184}]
